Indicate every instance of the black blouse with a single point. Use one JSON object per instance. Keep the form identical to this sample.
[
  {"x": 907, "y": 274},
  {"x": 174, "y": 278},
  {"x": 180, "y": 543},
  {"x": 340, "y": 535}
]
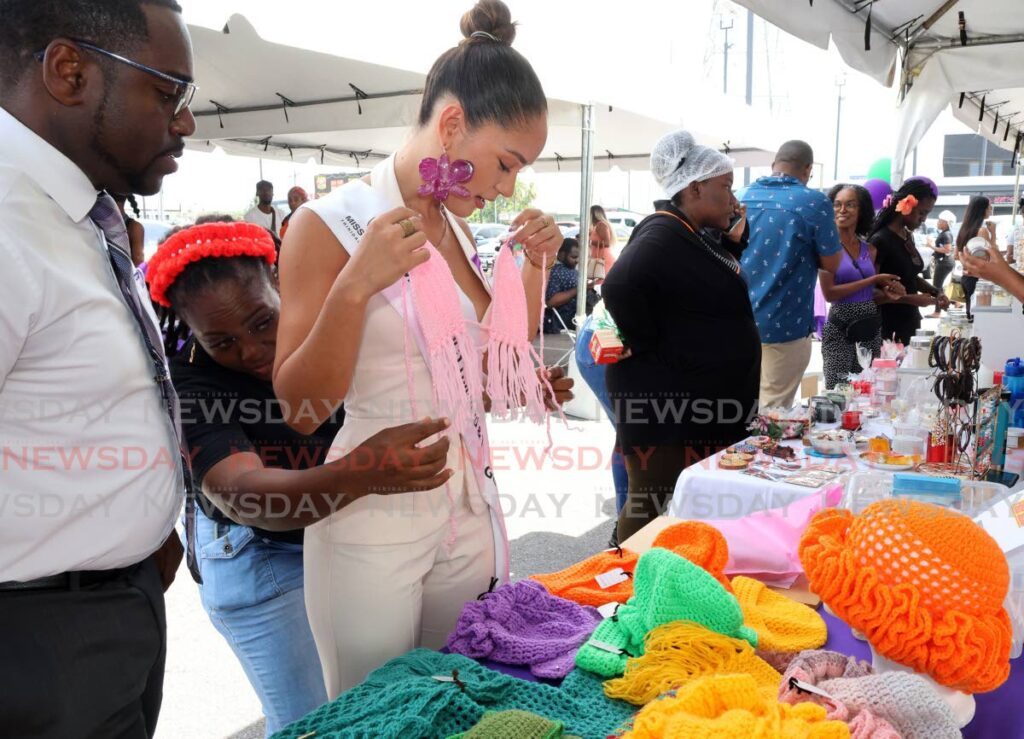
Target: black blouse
[
  {"x": 898, "y": 256},
  {"x": 224, "y": 412},
  {"x": 684, "y": 312}
]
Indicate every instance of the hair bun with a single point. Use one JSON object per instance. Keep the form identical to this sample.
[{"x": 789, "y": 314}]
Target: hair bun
[{"x": 491, "y": 17}]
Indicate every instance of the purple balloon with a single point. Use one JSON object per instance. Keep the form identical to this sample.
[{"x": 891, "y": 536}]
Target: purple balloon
[
  {"x": 880, "y": 190},
  {"x": 928, "y": 181}
]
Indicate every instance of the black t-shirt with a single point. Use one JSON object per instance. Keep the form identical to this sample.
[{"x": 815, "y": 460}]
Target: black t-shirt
[
  {"x": 944, "y": 239},
  {"x": 224, "y": 412},
  {"x": 898, "y": 256}
]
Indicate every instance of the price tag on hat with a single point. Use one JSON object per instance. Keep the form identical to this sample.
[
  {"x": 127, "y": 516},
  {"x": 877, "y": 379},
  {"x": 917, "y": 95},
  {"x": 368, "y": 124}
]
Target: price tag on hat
[
  {"x": 608, "y": 609},
  {"x": 605, "y": 646},
  {"x": 611, "y": 578},
  {"x": 444, "y": 678},
  {"x": 803, "y": 687}
]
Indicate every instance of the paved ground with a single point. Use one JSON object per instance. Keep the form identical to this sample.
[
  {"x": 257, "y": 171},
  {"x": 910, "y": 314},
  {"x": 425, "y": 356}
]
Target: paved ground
[{"x": 558, "y": 511}]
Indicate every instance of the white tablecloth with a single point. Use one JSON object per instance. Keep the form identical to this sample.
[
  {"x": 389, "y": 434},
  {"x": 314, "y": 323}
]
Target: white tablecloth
[{"x": 705, "y": 491}]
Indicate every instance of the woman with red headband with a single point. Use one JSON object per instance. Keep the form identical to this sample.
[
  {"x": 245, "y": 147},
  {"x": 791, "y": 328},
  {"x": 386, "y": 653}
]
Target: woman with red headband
[{"x": 257, "y": 481}]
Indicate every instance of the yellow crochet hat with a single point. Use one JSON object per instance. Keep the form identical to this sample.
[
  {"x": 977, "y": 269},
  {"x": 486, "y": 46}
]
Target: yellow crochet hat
[
  {"x": 731, "y": 706},
  {"x": 781, "y": 623},
  {"x": 680, "y": 652}
]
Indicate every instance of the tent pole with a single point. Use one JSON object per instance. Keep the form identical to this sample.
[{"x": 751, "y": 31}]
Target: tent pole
[{"x": 586, "y": 197}]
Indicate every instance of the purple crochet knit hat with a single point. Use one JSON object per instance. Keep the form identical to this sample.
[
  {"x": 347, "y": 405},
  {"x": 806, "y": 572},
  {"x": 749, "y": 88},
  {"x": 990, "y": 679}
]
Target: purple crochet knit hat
[{"x": 522, "y": 624}]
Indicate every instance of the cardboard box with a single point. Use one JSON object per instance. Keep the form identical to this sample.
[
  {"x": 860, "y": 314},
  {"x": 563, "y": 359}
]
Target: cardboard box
[{"x": 605, "y": 346}]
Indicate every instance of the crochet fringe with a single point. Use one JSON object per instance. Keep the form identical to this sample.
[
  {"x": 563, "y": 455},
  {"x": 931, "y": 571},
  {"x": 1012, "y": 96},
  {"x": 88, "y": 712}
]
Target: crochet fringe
[
  {"x": 453, "y": 360},
  {"x": 680, "y": 652},
  {"x": 514, "y": 369}
]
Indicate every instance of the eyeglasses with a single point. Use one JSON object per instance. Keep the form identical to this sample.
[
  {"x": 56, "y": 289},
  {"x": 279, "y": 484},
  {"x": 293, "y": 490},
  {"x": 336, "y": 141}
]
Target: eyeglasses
[
  {"x": 838, "y": 206},
  {"x": 184, "y": 91}
]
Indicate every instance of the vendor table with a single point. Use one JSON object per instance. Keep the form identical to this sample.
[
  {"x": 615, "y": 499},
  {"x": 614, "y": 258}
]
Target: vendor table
[{"x": 705, "y": 491}]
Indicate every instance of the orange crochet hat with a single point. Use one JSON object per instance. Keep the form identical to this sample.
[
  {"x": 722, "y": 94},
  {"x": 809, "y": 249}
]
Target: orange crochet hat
[
  {"x": 579, "y": 582},
  {"x": 700, "y": 543},
  {"x": 924, "y": 583}
]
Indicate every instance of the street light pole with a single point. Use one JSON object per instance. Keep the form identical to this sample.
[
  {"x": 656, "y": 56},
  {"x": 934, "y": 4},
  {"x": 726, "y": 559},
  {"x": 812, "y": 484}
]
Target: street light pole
[
  {"x": 840, "y": 82},
  {"x": 725, "y": 65}
]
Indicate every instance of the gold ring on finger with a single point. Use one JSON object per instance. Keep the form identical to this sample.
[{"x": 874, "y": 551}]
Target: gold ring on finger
[{"x": 408, "y": 228}]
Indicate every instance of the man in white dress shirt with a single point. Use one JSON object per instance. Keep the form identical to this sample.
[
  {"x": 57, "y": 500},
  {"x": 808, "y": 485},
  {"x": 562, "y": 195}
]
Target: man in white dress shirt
[{"x": 94, "y": 97}]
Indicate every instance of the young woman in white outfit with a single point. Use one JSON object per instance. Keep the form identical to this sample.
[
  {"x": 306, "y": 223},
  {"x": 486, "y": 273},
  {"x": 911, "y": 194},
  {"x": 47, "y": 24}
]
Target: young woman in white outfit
[{"x": 390, "y": 573}]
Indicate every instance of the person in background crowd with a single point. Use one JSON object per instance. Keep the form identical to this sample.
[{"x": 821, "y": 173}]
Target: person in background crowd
[
  {"x": 136, "y": 233},
  {"x": 296, "y": 197},
  {"x": 386, "y": 576},
  {"x": 246, "y": 460},
  {"x": 792, "y": 237},
  {"x": 942, "y": 259},
  {"x": 689, "y": 387},
  {"x": 892, "y": 236},
  {"x": 602, "y": 245},
  {"x": 1016, "y": 234},
  {"x": 85, "y": 563},
  {"x": 854, "y": 318},
  {"x": 562, "y": 289},
  {"x": 995, "y": 269},
  {"x": 976, "y": 223},
  {"x": 264, "y": 213}
]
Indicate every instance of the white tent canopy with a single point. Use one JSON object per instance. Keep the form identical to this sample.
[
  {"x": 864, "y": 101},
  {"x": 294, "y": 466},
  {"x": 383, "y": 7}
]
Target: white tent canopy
[
  {"x": 264, "y": 99},
  {"x": 977, "y": 66}
]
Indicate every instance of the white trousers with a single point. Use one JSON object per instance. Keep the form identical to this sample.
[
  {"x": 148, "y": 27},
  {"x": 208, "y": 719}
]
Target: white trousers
[{"x": 370, "y": 603}]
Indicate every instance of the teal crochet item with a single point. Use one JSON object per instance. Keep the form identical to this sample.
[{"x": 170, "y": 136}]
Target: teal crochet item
[
  {"x": 515, "y": 725},
  {"x": 666, "y": 587},
  {"x": 403, "y": 700}
]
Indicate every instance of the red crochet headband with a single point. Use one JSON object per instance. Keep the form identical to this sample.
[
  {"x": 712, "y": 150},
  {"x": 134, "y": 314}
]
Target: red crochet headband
[{"x": 201, "y": 242}]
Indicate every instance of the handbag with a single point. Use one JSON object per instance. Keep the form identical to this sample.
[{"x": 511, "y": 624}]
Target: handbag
[{"x": 863, "y": 329}]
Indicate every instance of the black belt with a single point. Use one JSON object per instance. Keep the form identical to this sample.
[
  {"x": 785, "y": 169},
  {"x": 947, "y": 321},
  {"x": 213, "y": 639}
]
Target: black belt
[{"x": 69, "y": 580}]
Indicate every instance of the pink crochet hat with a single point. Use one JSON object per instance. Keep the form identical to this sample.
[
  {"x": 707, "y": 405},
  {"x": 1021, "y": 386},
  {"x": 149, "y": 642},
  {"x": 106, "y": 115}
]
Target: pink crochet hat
[{"x": 889, "y": 705}]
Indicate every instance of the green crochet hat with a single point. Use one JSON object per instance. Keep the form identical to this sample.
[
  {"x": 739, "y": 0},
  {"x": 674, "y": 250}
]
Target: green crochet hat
[
  {"x": 515, "y": 725},
  {"x": 666, "y": 587},
  {"x": 426, "y": 694}
]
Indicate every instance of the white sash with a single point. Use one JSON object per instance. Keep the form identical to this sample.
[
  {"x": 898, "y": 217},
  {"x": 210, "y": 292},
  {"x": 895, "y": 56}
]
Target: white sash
[{"x": 347, "y": 212}]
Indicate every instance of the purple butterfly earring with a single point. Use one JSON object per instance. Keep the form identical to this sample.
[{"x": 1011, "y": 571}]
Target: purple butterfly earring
[{"x": 442, "y": 177}]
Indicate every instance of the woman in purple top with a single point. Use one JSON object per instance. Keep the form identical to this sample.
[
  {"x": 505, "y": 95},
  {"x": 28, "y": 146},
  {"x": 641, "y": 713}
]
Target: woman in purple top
[{"x": 854, "y": 317}]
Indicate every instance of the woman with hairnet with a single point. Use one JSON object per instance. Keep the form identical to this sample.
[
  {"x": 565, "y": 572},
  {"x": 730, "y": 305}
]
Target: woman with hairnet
[{"x": 690, "y": 384}]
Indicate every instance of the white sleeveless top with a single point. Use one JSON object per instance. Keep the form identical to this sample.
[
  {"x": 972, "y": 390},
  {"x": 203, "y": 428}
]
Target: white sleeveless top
[{"x": 379, "y": 397}]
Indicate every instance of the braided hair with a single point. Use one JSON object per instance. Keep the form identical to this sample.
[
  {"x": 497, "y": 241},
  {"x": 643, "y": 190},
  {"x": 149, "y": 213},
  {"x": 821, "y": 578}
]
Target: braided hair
[
  {"x": 919, "y": 189},
  {"x": 196, "y": 258}
]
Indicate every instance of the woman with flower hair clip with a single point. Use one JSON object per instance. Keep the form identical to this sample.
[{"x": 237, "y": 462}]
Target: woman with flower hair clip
[
  {"x": 257, "y": 482},
  {"x": 892, "y": 236},
  {"x": 386, "y": 307}
]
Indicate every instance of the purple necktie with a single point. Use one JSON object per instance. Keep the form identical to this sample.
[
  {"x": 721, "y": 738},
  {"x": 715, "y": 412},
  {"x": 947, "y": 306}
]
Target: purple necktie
[{"x": 107, "y": 216}]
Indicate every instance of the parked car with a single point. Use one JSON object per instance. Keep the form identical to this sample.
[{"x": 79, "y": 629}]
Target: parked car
[{"x": 488, "y": 237}]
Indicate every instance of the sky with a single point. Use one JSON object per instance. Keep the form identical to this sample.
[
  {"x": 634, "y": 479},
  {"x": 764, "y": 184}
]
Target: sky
[{"x": 579, "y": 49}]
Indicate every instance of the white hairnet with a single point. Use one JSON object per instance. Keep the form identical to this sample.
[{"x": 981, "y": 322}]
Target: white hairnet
[
  {"x": 948, "y": 216},
  {"x": 677, "y": 160}
]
